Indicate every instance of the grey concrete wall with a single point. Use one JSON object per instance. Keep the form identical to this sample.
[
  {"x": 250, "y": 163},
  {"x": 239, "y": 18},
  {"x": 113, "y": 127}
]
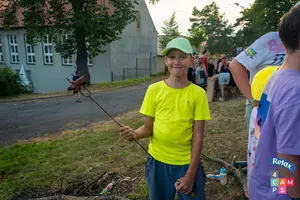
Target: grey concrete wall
[
  {"x": 52, "y": 78},
  {"x": 136, "y": 44},
  {"x": 160, "y": 62}
]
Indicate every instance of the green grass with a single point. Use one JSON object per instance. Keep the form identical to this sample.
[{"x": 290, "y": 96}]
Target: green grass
[
  {"x": 94, "y": 87},
  {"x": 45, "y": 164},
  {"x": 125, "y": 83}
]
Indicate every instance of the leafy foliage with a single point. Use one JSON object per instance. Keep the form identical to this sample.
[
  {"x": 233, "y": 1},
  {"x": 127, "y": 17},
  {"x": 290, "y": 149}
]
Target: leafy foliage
[
  {"x": 196, "y": 36},
  {"x": 262, "y": 17},
  {"x": 88, "y": 24},
  {"x": 218, "y": 31},
  {"x": 10, "y": 83},
  {"x": 170, "y": 31}
]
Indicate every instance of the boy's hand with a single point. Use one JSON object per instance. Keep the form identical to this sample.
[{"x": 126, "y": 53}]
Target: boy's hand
[
  {"x": 127, "y": 133},
  {"x": 184, "y": 184}
]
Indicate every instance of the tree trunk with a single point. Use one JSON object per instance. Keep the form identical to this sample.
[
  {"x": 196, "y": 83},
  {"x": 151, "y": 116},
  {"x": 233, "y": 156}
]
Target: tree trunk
[
  {"x": 80, "y": 34},
  {"x": 81, "y": 62}
]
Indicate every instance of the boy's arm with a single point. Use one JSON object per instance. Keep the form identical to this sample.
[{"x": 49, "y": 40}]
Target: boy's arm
[
  {"x": 293, "y": 191},
  {"x": 197, "y": 143},
  {"x": 185, "y": 184},
  {"x": 146, "y": 130},
  {"x": 240, "y": 76},
  {"x": 148, "y": 110}
]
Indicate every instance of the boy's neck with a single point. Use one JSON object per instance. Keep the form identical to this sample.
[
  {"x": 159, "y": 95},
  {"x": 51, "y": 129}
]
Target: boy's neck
[
  {"x": 175, "y": 82},
  {"x": 292, "y": 61}
]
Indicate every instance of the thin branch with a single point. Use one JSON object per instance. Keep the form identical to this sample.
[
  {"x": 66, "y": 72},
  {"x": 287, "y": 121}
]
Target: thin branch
[
  {"x": 93, "y": 182},
  {"x": 237, "y": 172}
]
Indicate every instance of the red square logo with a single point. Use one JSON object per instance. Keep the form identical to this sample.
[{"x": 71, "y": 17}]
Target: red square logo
[{"x": 290, "y": 182}]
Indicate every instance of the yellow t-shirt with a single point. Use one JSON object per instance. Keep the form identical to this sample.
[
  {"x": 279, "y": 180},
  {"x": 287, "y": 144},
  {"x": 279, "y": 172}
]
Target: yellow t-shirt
[{"x": 174, "y": 112}]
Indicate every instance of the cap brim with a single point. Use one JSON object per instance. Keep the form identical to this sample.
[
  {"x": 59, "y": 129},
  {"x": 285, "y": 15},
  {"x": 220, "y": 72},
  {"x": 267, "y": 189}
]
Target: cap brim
[{"x": 165, "y": 51}]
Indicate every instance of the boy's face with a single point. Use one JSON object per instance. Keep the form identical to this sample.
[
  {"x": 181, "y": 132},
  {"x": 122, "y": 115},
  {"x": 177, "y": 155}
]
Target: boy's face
[{"x": 178, "y": 63}]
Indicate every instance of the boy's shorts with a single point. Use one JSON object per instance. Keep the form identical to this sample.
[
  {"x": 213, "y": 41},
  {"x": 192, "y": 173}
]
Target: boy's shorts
[
  {"x": 224, "y": 78},
  {"x": 161, "y": 178}
]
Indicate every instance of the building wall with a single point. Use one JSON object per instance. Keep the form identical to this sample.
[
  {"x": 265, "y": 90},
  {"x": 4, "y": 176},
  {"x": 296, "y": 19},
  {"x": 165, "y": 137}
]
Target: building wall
[
  {"x": 51, "y": 78},
  {"x": 160, "y": 62},
  {"x": 137, "y": 46}
]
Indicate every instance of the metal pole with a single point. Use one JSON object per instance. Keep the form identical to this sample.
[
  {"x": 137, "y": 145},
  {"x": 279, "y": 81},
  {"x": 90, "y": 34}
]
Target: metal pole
[
  {"x": 136, "y": 68},
  {"x": 150, "y": 63}
]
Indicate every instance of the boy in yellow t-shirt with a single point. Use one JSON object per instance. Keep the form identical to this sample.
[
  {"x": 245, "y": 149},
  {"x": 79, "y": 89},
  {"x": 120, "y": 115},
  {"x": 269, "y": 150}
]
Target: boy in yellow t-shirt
[{"x": 175, "y": 111}]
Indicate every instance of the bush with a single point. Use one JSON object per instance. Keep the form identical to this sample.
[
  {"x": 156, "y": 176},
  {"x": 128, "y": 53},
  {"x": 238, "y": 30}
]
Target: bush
[{"x": 10, "y": 83}]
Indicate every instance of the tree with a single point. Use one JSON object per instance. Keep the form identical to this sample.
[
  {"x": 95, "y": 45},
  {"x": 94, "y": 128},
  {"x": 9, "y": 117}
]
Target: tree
[
  {"x": 170, "y": 31},
  {"x": 88, "y": 24},
  {"x": 262, "y": 17},
  {"x": 196, "y": 36},
  {"x": 218, "y": 32}
]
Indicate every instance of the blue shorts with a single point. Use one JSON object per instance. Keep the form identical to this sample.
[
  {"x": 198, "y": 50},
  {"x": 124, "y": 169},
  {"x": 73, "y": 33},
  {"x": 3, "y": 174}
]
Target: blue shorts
[
  {"x": 161, "y": 178},
  {"x": 224, "y": 78}
]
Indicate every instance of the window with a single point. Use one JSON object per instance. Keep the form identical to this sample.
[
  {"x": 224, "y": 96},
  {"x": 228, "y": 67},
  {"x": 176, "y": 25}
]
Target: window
[
  {"x": 1, "y": 52},
  {"x": 30, "y": 56},
  {"x": 138, "y": 22},
  {"x": 14, "y": 55},
  {"x": 47, "y": 50},
  {"x": 66, "y": 60}
]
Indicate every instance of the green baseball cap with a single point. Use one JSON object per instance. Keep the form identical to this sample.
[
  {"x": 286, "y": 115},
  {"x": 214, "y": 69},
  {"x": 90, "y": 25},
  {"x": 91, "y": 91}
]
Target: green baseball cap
[{"x": 179, "y": 43}]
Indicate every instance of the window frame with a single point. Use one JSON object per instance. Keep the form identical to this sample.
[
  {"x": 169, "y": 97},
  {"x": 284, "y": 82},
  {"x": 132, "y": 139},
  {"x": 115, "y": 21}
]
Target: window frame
[
  {"x": 48, "y": 55},
  {"x": 15, "y": 47},
  {"x": 69, "y": 59},
  {"x": 32, "y": 53}
]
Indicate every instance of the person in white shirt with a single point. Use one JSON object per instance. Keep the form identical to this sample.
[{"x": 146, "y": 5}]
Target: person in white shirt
[{"x": 265, "y": 51}]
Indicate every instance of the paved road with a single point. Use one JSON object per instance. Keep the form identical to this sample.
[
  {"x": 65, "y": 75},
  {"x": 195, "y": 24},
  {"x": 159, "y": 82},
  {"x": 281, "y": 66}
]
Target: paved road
[{"x": 25, "y": 120}]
